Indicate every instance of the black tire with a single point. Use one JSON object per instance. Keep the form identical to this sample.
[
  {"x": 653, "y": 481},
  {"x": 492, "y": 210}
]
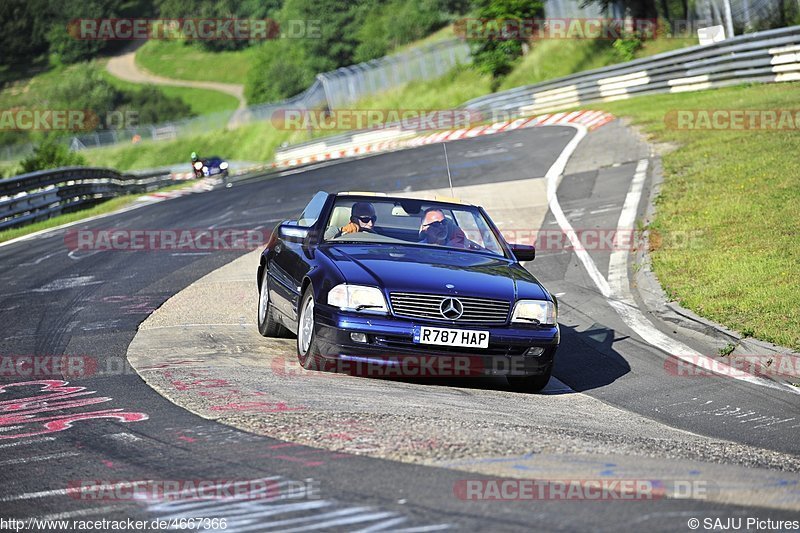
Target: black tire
[
  {"x": 530, "y": 383},
  {"x": 267, "y": 325},
  {"x": 307, "y": 348}
]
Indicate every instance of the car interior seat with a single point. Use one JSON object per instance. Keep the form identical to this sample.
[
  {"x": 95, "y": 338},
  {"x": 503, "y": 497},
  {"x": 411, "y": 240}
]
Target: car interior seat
[{"x": 339, "y": 219}]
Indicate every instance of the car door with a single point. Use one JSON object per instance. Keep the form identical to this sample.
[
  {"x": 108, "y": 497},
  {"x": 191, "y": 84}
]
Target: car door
[{"x": 292, "y": 260}]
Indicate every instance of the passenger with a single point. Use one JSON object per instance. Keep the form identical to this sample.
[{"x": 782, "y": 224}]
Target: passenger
[
  {"x": 362, "y": 218},
  {"x": 437, "y": 229}
]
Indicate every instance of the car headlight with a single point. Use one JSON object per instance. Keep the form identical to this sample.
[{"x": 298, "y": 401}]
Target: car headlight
[
  {"x": 534, "y": 312},
  {"x": 198, "y": 165},
  {"x": 223, "y": 165},
  {"x": 357, "y": 298}
]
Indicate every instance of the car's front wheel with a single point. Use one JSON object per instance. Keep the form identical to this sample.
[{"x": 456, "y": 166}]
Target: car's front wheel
[
  {"x": 530, "y": 383},
  {"x": 307, "y": 349},
  {"x": 267, "y": 325}
]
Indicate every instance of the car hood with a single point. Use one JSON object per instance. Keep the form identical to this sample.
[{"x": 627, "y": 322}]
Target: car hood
[{"x": 399, "y": 268}]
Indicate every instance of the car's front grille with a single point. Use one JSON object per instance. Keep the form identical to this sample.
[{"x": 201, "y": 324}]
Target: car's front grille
[{"x": 428, "y": 307}]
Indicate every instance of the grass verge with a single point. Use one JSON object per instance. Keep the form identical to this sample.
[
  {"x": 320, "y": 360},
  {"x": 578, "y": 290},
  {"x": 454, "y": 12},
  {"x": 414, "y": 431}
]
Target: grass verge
[
  {"x": 738, "y": 192},
  {"x": 175, "y": 59},
  {"x": 202, "y": 101},
  {"x": 551, "y": 59}
]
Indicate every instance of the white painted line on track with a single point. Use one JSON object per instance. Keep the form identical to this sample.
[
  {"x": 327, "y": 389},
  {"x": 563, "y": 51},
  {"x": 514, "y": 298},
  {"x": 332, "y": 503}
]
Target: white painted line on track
[
  {"x": 38, "y": 458},
  {"x": 422, "y": 529},
  {"x": 617, "y": 289},
  {"x": 552, "y": 177},
  {"x": 25, "y": 442},
  {"x": 125, "y": 437},
  {"x": 103, "y": 487},
  {"x": 332, "y": 519},
  {"x": 622, "y": 298},
  {"x": 81, "y": 512}
]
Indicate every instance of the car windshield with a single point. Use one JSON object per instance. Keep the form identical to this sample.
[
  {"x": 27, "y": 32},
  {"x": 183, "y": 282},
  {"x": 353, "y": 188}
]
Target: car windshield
[{"x": 400, "y": 221}]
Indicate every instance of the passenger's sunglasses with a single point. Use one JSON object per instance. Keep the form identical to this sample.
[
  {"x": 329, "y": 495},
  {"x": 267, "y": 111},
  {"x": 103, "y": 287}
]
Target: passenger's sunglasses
[
  {"x": 366, "y": 220},
  {"x": 434, "y": 224}
]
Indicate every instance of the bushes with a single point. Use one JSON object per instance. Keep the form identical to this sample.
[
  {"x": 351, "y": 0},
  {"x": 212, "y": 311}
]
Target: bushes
[
  {"x": 86, "y": 88},
  {"x": 50, "y": 154},
  {"x": 153, "y": 106},
  {"x": 279, "y": 71},
  {"x": 388, "y": 25}
]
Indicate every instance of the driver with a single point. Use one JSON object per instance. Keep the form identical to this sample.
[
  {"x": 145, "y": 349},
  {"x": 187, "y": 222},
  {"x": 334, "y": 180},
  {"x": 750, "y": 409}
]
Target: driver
[
  {"x": 435, "y": 228},
  {"x": 362, "y": 218}
]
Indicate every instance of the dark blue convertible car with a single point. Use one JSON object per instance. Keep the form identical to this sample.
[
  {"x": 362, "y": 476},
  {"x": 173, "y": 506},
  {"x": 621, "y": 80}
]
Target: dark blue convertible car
[{"x": 423, "y": 287}]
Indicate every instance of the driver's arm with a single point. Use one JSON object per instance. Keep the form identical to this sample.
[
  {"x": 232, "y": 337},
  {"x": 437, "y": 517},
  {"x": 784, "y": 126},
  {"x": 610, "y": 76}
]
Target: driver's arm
[{"x": 351, "y": 227}]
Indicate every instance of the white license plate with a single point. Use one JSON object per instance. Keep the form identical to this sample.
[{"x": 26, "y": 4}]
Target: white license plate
[{"x": 451, "y": 337}]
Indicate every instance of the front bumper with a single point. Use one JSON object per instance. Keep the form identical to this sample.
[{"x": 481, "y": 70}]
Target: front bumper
[{"x": 390, "y": 346}]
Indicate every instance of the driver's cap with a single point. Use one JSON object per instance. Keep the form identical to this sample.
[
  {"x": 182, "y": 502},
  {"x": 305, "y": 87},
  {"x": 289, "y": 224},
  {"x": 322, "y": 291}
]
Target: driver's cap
[{"x": 363, "y": 209}]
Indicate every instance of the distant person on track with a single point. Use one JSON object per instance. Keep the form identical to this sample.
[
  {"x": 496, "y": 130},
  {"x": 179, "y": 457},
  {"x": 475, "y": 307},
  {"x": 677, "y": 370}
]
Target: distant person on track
[{"x": 197, "y": 165}]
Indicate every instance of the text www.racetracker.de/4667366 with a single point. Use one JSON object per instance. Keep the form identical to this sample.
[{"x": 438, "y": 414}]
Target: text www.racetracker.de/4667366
[{"x": 36, "y": 524}]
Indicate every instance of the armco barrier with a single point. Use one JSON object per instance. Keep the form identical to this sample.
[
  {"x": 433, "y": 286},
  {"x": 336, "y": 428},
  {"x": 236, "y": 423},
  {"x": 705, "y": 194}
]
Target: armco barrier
[
  {"x": 762, "y": 57},
  {"x": 766, "y": 57},
  {"x": 40, "y": 195}
]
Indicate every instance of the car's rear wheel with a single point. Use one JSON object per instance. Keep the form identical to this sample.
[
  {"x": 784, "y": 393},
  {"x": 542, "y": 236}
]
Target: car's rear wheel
[
  {"x": 530, "y": 383},
  {"x": 267, "y": 325},
  {"x": 307, "y": 349}
]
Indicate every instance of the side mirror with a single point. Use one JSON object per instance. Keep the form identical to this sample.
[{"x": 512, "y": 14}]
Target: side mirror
[
  {"x": 523, "y": 252},
  {"x": 294, "y": 233}
]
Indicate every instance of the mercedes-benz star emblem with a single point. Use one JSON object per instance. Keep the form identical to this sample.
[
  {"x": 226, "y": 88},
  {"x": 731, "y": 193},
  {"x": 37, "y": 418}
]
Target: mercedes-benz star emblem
[{"x": 451, "y": 308}]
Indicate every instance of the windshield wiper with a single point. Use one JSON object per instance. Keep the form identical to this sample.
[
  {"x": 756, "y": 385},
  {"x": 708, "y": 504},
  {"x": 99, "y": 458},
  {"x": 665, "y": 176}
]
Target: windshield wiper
[{"x": 360, "y": 307}]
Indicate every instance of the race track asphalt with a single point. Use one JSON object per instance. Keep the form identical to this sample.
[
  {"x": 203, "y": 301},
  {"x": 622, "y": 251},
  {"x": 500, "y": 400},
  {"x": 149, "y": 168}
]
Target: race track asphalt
[{"x": 56, "y": 302}]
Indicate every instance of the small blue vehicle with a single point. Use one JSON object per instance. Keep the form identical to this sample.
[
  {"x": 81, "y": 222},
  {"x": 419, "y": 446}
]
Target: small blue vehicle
[{"x": 211, "y": 166}]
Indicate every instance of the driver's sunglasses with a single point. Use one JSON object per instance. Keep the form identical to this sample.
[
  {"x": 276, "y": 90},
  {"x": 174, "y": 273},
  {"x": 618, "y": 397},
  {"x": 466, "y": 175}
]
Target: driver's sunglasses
[{"x": 366, "y": 220}]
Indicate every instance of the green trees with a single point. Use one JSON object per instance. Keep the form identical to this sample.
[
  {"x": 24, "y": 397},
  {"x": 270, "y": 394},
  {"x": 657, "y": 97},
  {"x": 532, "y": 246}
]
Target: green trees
[
  {"x": 323, "y": 35},
  {"x": 495, "y": 55},
  {"x": 280, "y": 71},
  {"x": 387, "y": 25}
]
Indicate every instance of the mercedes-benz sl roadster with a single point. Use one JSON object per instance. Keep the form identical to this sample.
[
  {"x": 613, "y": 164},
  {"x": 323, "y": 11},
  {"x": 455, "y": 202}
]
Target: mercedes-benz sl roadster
[{"x": 414, "y": 287}]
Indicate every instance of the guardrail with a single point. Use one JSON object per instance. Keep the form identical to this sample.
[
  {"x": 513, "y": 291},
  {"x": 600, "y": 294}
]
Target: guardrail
[
  {"x": 40, "y": 195},
  {"x": 763, "y": 57}
]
